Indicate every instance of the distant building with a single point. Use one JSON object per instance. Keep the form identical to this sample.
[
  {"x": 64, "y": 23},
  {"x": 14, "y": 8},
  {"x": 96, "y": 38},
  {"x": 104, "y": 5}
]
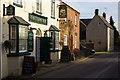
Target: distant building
[
  {"x": 100, "y": 32},
  {"x": 82, "y": 32}
]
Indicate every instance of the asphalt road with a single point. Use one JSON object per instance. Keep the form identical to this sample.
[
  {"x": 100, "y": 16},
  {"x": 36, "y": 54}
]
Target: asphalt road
[{"x": 102, "y": 65}]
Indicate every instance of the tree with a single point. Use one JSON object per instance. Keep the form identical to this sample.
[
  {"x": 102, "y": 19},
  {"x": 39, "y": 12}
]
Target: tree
[
  {"x": 66, "y": 28},
  {"x": 116, "y": 33}
]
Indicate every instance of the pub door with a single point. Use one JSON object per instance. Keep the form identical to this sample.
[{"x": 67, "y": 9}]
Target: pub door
[{"x": 43, "y": 49}]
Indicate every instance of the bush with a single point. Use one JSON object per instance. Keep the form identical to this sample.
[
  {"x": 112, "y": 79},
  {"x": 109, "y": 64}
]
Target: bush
[{"x": 77, "y": 52}]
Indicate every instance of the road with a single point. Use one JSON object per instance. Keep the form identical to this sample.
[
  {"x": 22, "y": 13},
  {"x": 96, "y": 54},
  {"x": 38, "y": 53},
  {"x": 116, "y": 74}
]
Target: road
[{"x": 102, "y": 65}]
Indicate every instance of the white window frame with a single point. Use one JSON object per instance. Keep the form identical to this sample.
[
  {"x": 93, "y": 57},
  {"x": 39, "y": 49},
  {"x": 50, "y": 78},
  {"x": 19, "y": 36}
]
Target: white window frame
[
  {"x": 52, "y": 8},
  {"x": 13, "y": 38},
  {"x": 65, "y": 40},
  {"x": 26, "y": 32},
  {"x": 39, "y": 5},
  {"x": 52, "y": 43},
  {"x": 56, "y": 40},
  {"x": 76, "y": 20},
  {"x": 75, "y": 41}
]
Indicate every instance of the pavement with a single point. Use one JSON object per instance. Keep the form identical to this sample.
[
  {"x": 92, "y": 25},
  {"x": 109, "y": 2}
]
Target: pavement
[{"x": 47, "y": 68}]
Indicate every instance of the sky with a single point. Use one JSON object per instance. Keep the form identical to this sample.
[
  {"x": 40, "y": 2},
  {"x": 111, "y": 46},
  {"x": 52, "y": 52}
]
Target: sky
[{"x": 87, "y": 8}]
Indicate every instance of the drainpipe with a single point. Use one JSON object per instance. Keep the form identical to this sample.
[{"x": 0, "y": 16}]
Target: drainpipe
[{"x": 1, "y": 39}]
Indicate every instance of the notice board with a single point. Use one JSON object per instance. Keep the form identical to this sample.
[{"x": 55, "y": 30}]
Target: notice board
[{"x": 28, "y": 65}]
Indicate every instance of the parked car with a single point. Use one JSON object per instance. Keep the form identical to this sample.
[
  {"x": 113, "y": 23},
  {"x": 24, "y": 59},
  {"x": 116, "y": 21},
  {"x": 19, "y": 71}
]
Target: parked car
[{"x": 85, "y": 48}]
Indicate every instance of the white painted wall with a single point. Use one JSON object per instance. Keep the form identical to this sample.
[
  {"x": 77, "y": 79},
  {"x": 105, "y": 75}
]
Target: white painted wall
[{"x": 29, "y": 6}]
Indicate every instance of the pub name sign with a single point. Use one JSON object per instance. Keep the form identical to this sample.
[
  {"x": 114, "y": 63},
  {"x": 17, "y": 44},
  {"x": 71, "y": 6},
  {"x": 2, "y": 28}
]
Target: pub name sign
[
  {"x": 37, "y": 19},
  {"x": 62, "y": 11}
]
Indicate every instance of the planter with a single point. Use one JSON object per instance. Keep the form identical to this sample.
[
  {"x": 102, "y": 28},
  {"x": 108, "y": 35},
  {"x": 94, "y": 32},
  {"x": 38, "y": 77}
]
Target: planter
[{"x": 37, "y": 65}]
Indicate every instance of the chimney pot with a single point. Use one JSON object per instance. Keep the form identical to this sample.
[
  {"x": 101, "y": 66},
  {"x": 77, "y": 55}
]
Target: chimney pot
[
  {"x": 96, "y": 11},
  {"x": 104, "y": 15}
]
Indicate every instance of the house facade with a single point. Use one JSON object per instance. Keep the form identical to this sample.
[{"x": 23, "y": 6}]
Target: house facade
[
  {"x": 100, "y": 32},
  {"x": 69, "y": 28},
  {"x": 31, "y": 22}
]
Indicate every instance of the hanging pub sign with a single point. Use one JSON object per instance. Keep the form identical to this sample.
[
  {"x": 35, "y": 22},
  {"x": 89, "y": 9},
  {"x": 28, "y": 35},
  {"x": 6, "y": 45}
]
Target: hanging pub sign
[
  {"x": 10, "y": 10},
  {"x": 30, "y": 41},
  {"x": 62, "y": 11}
]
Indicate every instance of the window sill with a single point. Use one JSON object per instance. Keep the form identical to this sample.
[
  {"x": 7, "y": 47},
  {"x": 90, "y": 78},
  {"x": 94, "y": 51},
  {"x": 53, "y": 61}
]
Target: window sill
[
  {"x": 39, "y": 12},
  {"x": 16, "y": 4},
  {"x": 52, "y": 17},
  {"x": 17, "y": 54}
]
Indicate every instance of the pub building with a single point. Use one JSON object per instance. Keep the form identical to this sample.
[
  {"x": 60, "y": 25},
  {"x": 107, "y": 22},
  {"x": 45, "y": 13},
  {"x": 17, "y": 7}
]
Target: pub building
[{"x": 33, "y": 28}]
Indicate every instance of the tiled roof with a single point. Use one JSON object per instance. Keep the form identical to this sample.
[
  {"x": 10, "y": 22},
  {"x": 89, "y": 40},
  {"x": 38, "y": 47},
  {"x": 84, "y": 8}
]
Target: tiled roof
[
  {"x": 105, "y": 21},
  {"x": 17, "y": 20}
]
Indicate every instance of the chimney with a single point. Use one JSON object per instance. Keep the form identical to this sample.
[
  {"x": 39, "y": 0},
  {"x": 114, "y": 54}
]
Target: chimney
[
  {"x": 96, "y": 11},
  {"x": 104, "y": 15}
]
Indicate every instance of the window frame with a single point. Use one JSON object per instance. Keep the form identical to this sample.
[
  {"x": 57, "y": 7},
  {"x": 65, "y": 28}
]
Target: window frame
[
  {"x": 75, "y": 19},
  {"x": 10, "y": 38},
  {"x": 40, "y": 6},
  {"x": 26, "y": 32},
  {"x": 75, "y": 41},
  {"x": 17, "y": 50},
  {"x": 54, "y": 40},
  {"x": 65, "y": 41},
  {"x": 53, "y": 9}
]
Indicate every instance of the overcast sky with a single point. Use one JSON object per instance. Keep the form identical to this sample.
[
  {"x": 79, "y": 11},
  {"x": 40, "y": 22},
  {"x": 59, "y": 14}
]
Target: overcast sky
[{"x": 87, "y": 8}]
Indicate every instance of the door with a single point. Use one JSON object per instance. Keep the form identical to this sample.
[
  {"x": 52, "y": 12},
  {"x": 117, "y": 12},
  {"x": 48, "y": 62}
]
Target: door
[{"x": 45, "y": 49}]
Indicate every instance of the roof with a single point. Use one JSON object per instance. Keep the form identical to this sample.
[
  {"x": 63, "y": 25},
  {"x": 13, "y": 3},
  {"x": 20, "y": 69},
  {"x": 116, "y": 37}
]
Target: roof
[
  {"x": 105, "y": 21},
  {"x": 70, "y": 7},
  {"x": 53, "y": 28},
  {"x": 17, "y": 20},
  {"x": 81, "y": 22},
  {"x": 86, "y": 21}
]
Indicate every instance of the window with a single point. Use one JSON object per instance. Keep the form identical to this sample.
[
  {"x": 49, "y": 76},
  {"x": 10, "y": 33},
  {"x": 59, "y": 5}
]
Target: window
[
  {"x": 65, "y": 40},
  {"x": 75, "y": 20},
  {"x": 13, "y": 37},
  {"x": 54, "y": 43},
  {"x": 39, "y": 5},
  {"x": 99, "y": 23},
  {"x": 51, "y": 41},
  {"x": 18, "y": 1},
  {"x": 56, "y": 40},
  {"x": 53, "y": 9},
  {"x": 22, "y": 39},
  {"x": 75, "y": 41}
]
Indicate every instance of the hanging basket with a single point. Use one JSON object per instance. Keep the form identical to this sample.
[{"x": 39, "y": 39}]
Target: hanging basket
[{"x": 8, "y": 44}]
